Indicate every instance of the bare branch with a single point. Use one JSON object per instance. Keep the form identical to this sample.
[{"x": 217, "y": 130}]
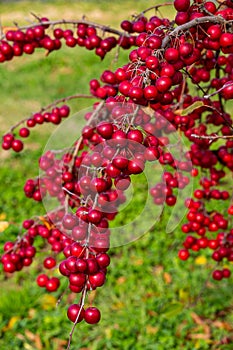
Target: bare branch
[{"x": 193, "y": 23}]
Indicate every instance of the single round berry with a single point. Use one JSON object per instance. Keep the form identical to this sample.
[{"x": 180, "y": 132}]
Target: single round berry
[
  {"x": 75, "y": 313},
  {"x": 92, "y": 315}
]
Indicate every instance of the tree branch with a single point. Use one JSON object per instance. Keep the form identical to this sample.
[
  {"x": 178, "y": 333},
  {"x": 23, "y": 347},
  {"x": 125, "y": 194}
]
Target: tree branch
[{"x": 190, "y": 24}]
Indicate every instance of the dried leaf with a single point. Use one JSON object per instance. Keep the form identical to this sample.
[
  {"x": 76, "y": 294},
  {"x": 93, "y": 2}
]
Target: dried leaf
[
  {"x": 223, "y": 325},
  {"x": 48, "y": 301},
  {"x": 11, "y": 323},
  {"x": 38, "y": 342},
  {"x": 60, "y": 343},
  {"x": 138, "y": 262},
  {"x": 46, "y": 223},
  {"x": 167, "y": 277},
  {"x": 121, "y": 280},
  {"x": 151, "y": 330},
  {"x": 29, "y": 335},
  {"x": 3, "y": 226},
  {"x": 197, "y": 319}
]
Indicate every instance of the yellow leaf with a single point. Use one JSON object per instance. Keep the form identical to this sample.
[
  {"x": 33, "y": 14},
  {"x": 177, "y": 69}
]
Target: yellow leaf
[
  {"x": 201, "y": 260},
  {"x": 31, "y": 313},
  {"x": 183, "y": 295},
  {"x": 11, "y": 323},
  {"x": 3, "y": 226},
  {"x": 2, "y": 216},
  {"x": 46, "y": 223},
  {"x": 108, "y": 333},
  {"x": 48, "y": 301},
  {"x": 119, "y": 305}
]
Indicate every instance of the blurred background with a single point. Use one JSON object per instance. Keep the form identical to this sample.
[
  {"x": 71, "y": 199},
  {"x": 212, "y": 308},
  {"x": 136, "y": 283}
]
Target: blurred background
[{"x": 151, "y": 300}]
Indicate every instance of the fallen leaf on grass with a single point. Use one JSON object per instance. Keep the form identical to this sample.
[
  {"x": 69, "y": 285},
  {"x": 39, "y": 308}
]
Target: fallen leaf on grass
[
  {"x": 223, "y": 325},
  {"x": 48, "y": 301},
  {"x": 3, "y": 226},
  {"x": 152, "y": 313},
  {"x": 121, "y": 280},
  {"x": 119, "y": 305},
  {"x": 167, "y": 277},
  {"x": 60, "y": 343},
  {"x": 29, "y": 335},
  {"x": 201, "y": 260},
  {"x": 183, "y": 295},
  {"x": 11, "y": 323},
  {"x": 151, "y": 330}
]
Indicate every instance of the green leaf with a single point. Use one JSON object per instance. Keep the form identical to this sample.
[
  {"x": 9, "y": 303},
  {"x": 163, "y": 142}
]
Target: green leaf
[
  {"x": 172, "y": 310},
  {"x": 192, "y": 108}
]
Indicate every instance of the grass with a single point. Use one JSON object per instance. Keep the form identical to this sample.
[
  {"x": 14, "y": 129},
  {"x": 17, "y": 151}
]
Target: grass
[{"x": 151, "y": 300}]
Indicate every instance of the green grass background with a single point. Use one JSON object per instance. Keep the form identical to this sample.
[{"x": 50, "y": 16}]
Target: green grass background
[{"x": 151, "y": 300}]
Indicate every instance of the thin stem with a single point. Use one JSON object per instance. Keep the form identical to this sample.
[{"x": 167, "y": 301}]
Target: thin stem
[
  {"x": 212, "y": 137},
  {"x": 84, "y": 293},
  {"x": 184, "y": 27},
  {"x": 51, "y": 105},
  {"x": 155, "y": 7},
  {"x": 75, "y": 22}
]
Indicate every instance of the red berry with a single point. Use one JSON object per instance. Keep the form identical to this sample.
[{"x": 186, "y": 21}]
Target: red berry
[
  {"x": 42, "y": 280},
  {"x": 75, "y": 314},
  {"x": 183, "y": 254},
  {"x": 49, "y": 263},
  {"x": 92, "y": 315}
]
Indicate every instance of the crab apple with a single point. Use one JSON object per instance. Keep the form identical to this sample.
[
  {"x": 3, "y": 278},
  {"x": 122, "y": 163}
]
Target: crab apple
[
  {"x": 183, "y": 254},
  {"x": 49, "y": 263},
  {"x": 52, "y": 284},
  {"x": 92, "y": 315},
  {"x": 182, "y": 5},
  {"x": 75, "y": 313},
  {"x": 42, "y": 280}
]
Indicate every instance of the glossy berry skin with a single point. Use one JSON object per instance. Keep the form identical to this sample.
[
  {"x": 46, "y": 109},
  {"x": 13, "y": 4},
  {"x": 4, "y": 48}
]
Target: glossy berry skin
[
  {"x": 42, "y": 280},
  {"x": 24, "y": 132},
  {"x": 105, "y": 130},
  {"x": 183, "y": 254},
  {"x": 74, "y": 314},
  {"x": 92, "y": 315},
  {"x": 52, "y": 284},
  {"x": 49, "y": 263},
  {"x": 182, "y": 5},
  {"x": 17, "y": 145},
  {"x": 217, "y": 275}
]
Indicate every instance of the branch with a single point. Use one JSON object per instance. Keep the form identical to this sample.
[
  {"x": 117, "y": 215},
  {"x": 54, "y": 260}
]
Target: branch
[
  {"x": 76, "y": 22},
  {"x": 212, "y": 137},
  {"x": 190, "y": 24},
  {"x": 155, "y": 7},
  {"x": 55, "y": 103}
]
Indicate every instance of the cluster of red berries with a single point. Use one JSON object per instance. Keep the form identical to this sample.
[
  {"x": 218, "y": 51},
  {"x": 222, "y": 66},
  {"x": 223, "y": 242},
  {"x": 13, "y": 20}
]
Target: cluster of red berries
[
  {"x": 18, "y": 254},
  {"x": 203, "y": 223},
  {"x": 146, "y": 103},
  {"x": 163, "y": 192},
  {"x": 55, "y": 117}
]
